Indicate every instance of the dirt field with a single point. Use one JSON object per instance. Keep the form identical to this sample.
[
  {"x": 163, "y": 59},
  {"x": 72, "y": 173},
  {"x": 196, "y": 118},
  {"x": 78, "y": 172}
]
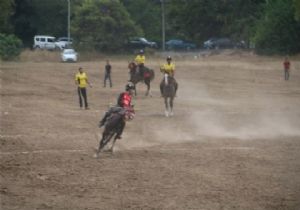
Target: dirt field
[{"x": 233, "y": 143}]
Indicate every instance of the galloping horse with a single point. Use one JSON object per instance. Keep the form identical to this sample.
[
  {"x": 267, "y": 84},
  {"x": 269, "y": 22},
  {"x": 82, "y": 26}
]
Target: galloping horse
[
  {"x": 136, "y": 77},
  {"x": 169, "y": 91},
  {"x": 114, "y": 126}
]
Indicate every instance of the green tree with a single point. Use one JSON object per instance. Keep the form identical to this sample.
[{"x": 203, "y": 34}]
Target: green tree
[
  {"x": 202, "y": 19},
  {"x": 102, "y": 25},
  {"x": 297, "y": 9},
  {"x": 10, "y": 47},
  {"x": 5, "y": 14},
  {"x": 278, "y": 31},
  {"x": 46, "y": 17},
  {"x": 147, "y": 15}
]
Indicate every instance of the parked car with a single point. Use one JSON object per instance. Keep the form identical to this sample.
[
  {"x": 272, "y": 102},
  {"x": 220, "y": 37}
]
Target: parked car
[
  {"x": 69, "y": 55},
  {"x": 177, "y": 44},
  {"x": 141, "y": 43},
  {"x": 241, "y": 44},
  {"x": 63, "y": 42},
  {"x": 44, "y": 42},
  {"x": 218, "y": 43},
  {"x": 208, "y": 44}
]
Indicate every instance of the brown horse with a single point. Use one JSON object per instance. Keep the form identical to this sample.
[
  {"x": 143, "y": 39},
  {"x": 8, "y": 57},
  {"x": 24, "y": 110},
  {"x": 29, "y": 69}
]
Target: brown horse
[
  {"x": 136, "y": 76},
  {"x": 169, "y": 88}
]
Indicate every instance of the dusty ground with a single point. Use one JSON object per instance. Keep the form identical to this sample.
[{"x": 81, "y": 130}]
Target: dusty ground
[{"x": 234, "y": 142}]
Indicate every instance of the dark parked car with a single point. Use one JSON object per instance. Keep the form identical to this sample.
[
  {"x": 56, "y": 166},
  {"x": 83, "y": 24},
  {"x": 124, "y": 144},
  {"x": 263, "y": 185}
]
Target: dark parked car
[
  {"x": 141, "y": 43},
  {"x": 221, "y": 43},
  {"x": 177, "y": 44}
]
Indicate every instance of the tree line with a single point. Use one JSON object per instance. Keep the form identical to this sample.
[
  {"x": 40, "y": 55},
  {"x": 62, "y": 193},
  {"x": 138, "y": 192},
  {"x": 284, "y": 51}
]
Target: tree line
[{"x": 272, "y": 26}]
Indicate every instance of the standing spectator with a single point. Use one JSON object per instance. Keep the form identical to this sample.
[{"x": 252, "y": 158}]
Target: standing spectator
[
  {"x": 107, "y": 75},
  {"x": 81, "y": 80},
  {"x": 286, "y": 66}
]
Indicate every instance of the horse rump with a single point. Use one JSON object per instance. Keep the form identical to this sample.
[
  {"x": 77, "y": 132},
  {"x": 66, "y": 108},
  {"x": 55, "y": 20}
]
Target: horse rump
[{"x": 149, "y": 74}]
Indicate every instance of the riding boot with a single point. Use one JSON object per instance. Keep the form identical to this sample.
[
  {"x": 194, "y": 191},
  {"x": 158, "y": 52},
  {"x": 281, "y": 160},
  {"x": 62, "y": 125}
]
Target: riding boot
[
  {"x": 141, "y": 71},
  {"x": 102, "y": 122}
]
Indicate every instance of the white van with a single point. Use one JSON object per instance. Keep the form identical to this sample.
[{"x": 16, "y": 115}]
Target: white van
[{"x": 44, "y": 42}]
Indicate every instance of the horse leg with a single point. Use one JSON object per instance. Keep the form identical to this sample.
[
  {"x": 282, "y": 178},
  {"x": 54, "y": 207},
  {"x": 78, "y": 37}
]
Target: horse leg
[
  {"x": 171, "y": 106},
  {"x": 166, "y": 107},
  {"x": 135, "y": 90},
  {"x": 101, "y": 144},
  {"x": 113, "y": 144},
  {"x": 147, "y": 82}
]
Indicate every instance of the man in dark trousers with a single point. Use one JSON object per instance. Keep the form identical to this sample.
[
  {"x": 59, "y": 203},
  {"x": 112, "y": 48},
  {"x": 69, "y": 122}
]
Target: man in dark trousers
[
  {"x": 107, "y": 74},
  {"x": 81, "y": 80}
]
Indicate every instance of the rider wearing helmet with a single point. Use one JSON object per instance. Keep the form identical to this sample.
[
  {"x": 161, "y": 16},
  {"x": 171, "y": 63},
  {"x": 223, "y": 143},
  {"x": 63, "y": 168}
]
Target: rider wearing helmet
[
  {"x": 124, "y": 99},
  {"x": 123, "y": 103},
  {"x": 168, "y": 68},
  {"x": 140, "y": 61}
]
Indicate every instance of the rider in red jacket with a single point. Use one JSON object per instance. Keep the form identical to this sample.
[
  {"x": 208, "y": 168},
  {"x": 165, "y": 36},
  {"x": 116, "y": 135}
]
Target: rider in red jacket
[
  {"x": 124, "y": 102},
  {"x": 124, "y": 99}
]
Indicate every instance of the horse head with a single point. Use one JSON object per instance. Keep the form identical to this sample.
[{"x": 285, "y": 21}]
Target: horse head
[
  {"x": 129, "y": 113},
  {"x": 132, "y": 67}
]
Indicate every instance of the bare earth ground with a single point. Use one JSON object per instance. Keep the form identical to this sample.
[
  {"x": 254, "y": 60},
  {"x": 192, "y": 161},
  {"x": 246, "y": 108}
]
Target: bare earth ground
[{"x": 234, "y": 142}]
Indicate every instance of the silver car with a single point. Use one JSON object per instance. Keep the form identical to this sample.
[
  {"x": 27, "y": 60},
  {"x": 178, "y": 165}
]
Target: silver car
[
  {"x": 69, "y": 55},
  {"x": 63, "y": 42}
]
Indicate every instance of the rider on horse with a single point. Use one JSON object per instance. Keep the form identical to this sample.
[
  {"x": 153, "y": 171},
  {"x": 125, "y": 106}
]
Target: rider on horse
[
  {"x": 168, "y": 68},
  {"x": 123, "y": 104},
  {"x": 140, "y": 62}
]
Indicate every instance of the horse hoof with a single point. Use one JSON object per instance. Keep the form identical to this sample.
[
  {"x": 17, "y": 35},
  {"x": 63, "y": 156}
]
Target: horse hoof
[
  {"x": 96, "y": 155},
  {"x": 167, "y": 113}
]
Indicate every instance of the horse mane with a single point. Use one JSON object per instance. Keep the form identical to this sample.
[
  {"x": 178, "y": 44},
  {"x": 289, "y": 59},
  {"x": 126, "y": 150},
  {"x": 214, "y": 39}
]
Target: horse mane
[{"x": 132, "y": 65}]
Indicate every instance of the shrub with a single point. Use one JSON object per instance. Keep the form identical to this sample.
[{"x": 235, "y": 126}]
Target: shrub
[{"x": 10, "y": 47}]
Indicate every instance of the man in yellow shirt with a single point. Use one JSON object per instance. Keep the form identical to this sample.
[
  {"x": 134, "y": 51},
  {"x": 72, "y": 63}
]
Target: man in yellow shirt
[
  {"x": 81, "y": 80},
  {"x": 140, "y": 61},
  {"x": 168, "y": 68}
]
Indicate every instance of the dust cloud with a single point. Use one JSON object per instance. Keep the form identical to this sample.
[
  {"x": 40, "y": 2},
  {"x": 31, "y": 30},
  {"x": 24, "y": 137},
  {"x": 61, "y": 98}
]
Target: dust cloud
[{"x": 250, "y": 117}]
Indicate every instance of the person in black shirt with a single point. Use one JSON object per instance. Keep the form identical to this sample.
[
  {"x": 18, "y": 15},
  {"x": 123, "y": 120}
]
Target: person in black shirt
[{"x": 107, "y": 75}]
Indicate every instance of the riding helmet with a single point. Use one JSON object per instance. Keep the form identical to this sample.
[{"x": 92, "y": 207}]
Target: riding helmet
[
  {"x": 129, "y": 86},
  {"x": 141, "y": 51}
]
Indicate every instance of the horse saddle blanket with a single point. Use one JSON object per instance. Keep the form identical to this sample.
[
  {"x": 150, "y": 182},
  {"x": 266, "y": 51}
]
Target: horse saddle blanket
[{"x": 147, "y": 74}]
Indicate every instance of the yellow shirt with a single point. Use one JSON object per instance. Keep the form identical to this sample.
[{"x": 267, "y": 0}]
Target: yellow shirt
[
  {"x": 140, "y": 59},
  {"x": 81, "y": 79},
  {"x": 168, "y": 68}
]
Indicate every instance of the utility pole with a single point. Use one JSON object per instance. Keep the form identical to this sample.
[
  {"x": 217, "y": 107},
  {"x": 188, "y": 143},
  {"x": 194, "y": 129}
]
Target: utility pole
[
  {"x": 69, "y": 15},
  {"x": 163, "y": 24}
]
